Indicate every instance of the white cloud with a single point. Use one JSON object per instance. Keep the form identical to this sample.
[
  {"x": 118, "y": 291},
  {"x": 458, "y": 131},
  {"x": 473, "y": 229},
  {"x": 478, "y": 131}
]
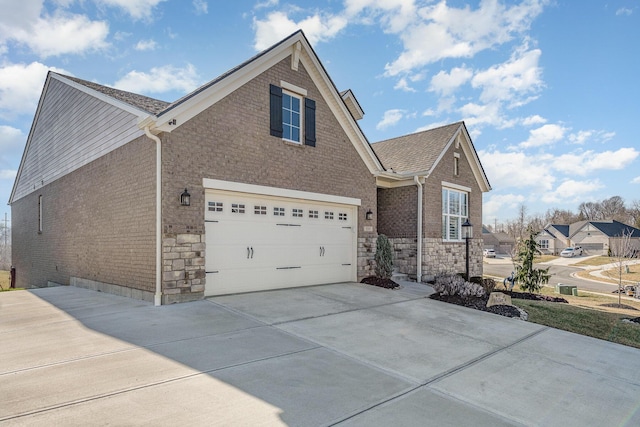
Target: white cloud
[
  {"x": 516, "y": 170},
  {"x": 278, "y": 25},
  {"x": 624, "y": 11},
  {"x": 8, "y": 174},
  {"x": 487, "y": 114},
  {"x": 57, "y": 34},
  {"x": 266, "y": 4},
  {"x": 160, "y": 79},
  {"x": 545, "y": 135},
  {"x": 12, "y": 142},
  {"x": 403, "y": 85},
  {"x": 391, "y": 117},
  {"x": 534, "y": 120},
  {"x": 146, "y": 45},
  {"x": 513, "y": 81},
  {"x": 495, "y": 204},
  {"x": 587, "y": 162},
  {"x": 457, "y": 32},
  {"x": 636, "y": 180},
  {"x": 201, "y": 7},
  {"x": 20, "y": 87},
  {"x": 445, "y": 83},
  {"x": 571, "y": 191},
  {"x": 137, "y": 9}
]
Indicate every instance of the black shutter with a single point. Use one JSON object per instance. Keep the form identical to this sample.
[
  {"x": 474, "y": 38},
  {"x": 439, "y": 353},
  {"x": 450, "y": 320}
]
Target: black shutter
[
  {"x": 309, "y": 122},
  {"x": 275, "y": 106}
]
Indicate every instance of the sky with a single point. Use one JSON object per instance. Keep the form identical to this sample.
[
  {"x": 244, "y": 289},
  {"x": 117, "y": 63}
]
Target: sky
[{"x": 548, "y": 89}]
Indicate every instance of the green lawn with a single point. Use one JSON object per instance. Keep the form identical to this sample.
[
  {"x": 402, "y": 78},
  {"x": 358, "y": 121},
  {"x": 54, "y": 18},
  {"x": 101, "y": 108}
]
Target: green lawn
[{"x": 593, "y": 323}]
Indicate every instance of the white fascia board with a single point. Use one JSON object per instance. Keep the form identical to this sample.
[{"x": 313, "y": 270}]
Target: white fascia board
[{"x": 239, "y": 187}]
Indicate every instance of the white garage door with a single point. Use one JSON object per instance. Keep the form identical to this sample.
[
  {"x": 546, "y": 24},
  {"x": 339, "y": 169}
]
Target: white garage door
[{"x": 259, "y": 242}]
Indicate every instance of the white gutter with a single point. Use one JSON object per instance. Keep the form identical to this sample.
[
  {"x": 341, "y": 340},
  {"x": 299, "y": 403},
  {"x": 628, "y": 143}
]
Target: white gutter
[
  {"x": 416, "y": 180},
  {"x": 157, "y": 300}
]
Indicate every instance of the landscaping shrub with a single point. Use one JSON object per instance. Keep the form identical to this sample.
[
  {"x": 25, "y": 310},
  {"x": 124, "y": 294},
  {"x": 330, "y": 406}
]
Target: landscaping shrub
[
  {"x": 488, "y": 285},
  {"x": 384, "y": 257},
  {"x": 447, "y": 284}
]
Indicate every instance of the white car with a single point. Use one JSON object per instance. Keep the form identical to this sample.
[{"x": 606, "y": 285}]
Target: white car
[
  {"x": 571, "y": 252},
  {"x": 489, "y": 253}
]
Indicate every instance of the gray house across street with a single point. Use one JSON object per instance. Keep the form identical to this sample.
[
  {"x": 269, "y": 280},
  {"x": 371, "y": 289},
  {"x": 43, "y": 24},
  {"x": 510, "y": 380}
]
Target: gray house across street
[
  {"x": 594, "y": 237},
  {"x": 259, "y": 179}
]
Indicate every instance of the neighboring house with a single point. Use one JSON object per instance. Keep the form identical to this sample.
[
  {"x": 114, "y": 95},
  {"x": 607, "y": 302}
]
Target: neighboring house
[
  {"x": 432, "y": 183},
  {"x": 260, "y": 179},
  {"x": 499, "y": 241},
  {"x": 595, "y": 237},
  {"x": 553, "y": 239}
]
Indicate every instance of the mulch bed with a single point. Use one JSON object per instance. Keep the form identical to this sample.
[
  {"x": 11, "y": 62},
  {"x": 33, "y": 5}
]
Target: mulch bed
[
  {"x": 378, "y": 281},
  {"x": 503, "y": 310}
]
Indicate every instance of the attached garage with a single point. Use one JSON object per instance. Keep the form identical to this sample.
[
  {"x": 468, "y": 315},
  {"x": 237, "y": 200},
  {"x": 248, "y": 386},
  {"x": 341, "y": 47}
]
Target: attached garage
[{"x": 260, "y": 238}]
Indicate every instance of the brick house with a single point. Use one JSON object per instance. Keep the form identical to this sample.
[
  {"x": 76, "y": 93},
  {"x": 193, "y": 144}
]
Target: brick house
[
  {"x": 594, "y": 237},
  {"x": 259, "y": 179}
]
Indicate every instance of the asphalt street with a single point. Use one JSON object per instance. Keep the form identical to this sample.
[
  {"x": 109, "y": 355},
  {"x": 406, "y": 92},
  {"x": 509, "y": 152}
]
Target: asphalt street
[{"x": 502, "y": 267}]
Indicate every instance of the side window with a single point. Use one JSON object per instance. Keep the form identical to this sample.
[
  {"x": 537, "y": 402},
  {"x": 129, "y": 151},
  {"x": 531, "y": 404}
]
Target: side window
[
  {"x": 455, "y": 208},
  {"x": 292, "y": 116}
]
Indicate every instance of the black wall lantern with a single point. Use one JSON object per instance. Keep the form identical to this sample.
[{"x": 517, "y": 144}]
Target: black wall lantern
[
  {"x": 369, "y": 215},
  {"x": 185, "y": 198}
]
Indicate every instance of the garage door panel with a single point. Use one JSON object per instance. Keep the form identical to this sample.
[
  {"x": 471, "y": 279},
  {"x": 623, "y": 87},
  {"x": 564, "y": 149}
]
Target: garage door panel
[{"x": 260, "y": 242}]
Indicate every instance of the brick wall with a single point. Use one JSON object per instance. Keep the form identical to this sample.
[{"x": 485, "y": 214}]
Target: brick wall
[
  {"x": 98, "y": 224},
  {"x": 397, "y": 212},
  {"x": 231, "y": 141}
]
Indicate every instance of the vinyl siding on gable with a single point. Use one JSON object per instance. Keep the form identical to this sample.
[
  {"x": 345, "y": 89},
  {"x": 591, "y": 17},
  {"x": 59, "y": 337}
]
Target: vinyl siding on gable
[{"x": 68, "y": 136}]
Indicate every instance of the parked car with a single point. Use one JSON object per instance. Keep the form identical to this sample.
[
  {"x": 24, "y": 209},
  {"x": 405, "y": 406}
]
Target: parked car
[
  {"x": 489, "y": 253},
  {"x": 571, "y": 252}
]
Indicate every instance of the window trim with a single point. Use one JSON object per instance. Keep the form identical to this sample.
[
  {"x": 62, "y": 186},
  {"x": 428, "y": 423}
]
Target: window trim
[{"x": 446, "y": 215}]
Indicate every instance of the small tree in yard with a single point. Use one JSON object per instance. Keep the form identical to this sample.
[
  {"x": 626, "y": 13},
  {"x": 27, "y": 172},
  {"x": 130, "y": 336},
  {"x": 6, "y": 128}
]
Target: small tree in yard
[
  {"x": 384, "y": 257},
  {"x": 619, "y": 250},
  {"x": 531, "y": 279}
]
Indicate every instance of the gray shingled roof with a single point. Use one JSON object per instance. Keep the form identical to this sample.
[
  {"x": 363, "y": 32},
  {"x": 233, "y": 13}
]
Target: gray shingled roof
[
  {"x": 414, "y": 152},
  {"x": 150, "y": 105},
  {"x": 615, "y": 228}
]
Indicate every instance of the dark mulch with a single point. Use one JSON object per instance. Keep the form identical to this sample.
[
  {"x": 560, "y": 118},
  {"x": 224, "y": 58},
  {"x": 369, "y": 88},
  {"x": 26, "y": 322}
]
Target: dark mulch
[
  {"x": 378, "y": 281},
  {"x": 535, "y": 297},
  {"x": 503, "y": 310},
  {"x": 635, "y": 320},
  {"x": 478, "y": 304}
]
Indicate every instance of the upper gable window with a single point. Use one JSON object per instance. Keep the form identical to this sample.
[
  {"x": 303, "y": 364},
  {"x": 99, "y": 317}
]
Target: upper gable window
[
  {"x": 292, "y": 115},
  {"x": 291, "y": 125},
  {"x": 456, "y": 164}
]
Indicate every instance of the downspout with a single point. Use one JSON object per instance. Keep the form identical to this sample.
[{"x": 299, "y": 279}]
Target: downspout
[
  {"x": 416, "y": 180},
  {"x": 157, "y": 300}
]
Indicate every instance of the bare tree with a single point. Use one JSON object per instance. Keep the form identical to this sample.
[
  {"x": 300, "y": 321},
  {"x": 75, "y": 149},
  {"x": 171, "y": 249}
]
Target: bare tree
[
  {"x": 634, "y": 214},
  {"x": 620, "y": 249},
  {"x": 589, "y": 211},
  {"x": 613, "y": 208},
  {"x": 5, "y": 246}
]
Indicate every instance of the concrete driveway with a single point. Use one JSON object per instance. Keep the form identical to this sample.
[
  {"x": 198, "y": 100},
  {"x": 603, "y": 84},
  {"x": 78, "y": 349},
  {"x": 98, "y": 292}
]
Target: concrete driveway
[{"x": 345, "y": 354}]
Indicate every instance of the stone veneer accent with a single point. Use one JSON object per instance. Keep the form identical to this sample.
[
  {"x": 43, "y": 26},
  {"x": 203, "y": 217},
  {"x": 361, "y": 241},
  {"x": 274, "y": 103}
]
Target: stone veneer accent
[
  {"x": 437, "y": 257},
  {"x": 366, "y": 253},
  {"x": 183, "y": 269}
]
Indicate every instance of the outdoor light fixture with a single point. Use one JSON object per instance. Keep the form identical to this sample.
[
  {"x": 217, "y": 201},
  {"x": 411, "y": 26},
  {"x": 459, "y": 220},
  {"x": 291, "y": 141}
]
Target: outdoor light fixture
[
  {"x": 467, "y": 231},
  {"x": 369, "y": 215},
  {"x": 185, "y": 198}
]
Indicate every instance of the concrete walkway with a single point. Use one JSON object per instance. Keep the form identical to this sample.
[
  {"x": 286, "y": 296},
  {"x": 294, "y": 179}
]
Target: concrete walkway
[{"x": 344, "y": 354}]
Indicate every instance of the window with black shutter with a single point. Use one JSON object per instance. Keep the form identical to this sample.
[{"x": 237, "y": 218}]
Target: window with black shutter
[{"x": 292, "y": 116}]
